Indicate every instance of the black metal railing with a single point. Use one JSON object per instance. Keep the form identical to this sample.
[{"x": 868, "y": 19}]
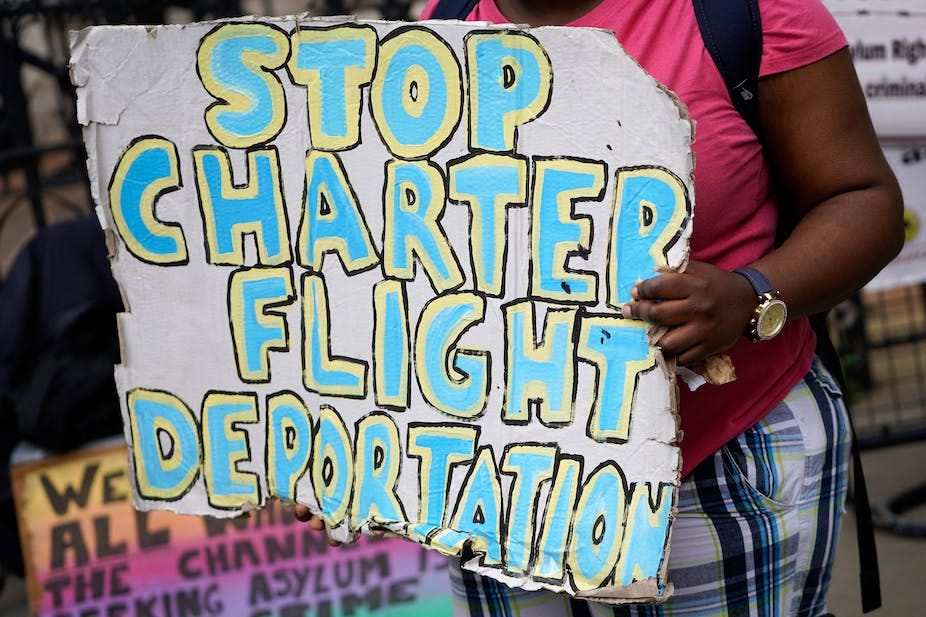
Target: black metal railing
[{"x": 882, "y": 340}]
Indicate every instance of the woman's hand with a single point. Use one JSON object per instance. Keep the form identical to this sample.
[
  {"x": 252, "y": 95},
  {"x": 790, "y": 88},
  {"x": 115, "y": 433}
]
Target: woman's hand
[
  {"x": 706, "y": 310},
  {"x": 830, "y": 170},
  {"x": 302, "y": 513}
]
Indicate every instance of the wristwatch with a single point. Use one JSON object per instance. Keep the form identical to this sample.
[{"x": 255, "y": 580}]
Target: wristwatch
[{"x": 771, "y": 313}]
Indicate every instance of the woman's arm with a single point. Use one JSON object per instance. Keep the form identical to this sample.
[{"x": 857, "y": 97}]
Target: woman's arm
[
  {"x": 823, "y": 151},
  {"x": 821, "y": 145}
]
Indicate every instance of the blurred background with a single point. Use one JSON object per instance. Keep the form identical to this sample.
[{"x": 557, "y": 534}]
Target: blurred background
[{"x": 880, "y": 333}]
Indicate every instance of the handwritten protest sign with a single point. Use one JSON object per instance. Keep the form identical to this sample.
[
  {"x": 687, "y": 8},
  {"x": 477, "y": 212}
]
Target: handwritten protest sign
[
  {"x": 89, "y": 553},
  {"x": 377, "y": 268}
]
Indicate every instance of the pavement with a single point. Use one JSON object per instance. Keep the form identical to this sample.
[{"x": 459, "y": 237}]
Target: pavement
[{"x": 902, "y": 560}]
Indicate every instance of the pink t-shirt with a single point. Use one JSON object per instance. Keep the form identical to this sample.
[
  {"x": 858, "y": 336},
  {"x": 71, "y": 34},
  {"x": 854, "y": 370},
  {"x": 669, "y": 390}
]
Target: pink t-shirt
[{"x": 735, "y": 214}]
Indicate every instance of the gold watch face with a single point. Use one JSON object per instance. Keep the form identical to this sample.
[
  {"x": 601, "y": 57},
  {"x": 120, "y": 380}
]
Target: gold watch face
[{"x": 771, "y": 319}]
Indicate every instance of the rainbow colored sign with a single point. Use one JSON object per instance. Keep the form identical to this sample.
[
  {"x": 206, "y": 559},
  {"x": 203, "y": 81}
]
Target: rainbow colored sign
[
  {"x": 377, "y": 268},
  {"x": 89, "y": 553}
]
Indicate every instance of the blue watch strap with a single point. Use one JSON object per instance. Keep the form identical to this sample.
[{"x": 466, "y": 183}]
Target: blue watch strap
[{"x": 760, "y": 284}]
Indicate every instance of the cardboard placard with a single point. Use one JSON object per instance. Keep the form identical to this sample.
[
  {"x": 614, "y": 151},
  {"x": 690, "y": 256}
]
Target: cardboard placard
[
  {"x": 89, "y": 553},
  {"x": 377, "y": 268}
]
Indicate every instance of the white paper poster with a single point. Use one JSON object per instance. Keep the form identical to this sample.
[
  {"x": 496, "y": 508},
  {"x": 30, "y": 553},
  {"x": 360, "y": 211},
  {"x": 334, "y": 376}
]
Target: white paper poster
[
  {"x": 908, "y": 268},
  {"x": 887, "y": 41}
]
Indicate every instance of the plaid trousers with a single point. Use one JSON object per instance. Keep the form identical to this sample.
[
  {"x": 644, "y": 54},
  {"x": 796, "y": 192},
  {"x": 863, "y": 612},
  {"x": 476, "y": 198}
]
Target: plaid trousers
[{"x": 756, "y": 530}]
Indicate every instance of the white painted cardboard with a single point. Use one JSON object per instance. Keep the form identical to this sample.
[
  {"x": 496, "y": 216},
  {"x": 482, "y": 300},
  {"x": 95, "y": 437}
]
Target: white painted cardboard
[{"x": 365, "y": 356}]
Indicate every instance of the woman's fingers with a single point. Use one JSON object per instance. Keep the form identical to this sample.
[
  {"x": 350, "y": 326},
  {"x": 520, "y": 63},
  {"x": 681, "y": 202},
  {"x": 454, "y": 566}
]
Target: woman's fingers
[
  {"x": 316, "y": 523},
  {"x": 653, "y": 298},
  {"x": 705, "y": 309},
  {"x": 666, "y": 313},
  {"x": 302, "y": 513},
  {"x": 685, "y": 343},
  {"x": 667, "y": 286}
]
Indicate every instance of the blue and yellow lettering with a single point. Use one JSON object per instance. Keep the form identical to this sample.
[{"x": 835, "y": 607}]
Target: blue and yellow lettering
[
  {"x": 332, "y": 467},
  {"x": 651, "y": 208},
  {"x": 438, "y": 448},
  {"x": 332, "y": 220},
  {"x": 510, "y": 81},
  {"x": 147, "y": 169},
  {"x": 235, "y": 63},
  {"x": 414, "y": 201},
  {"x": 540, "y": 373},
  {"x": 391, "y": 364},
  {"x": 489, "y": 183},
  {"x": 597, "y": 528},
  {"x": 531, "y": 465},
  {"x": 556, "y": 233},
  {"x": 334, "y": 64},
  {"x": 620, "y": 353},
  {"x": 225, "y": 445},
  {"x": 256, "y": 329},
  {"x": 230, "y": 212},
  {"x": 321, "y": 372},
  {"x": 165, "y": 444},
  {"x": 477, "y": 515},
  {"x": 289, "y": 444},
  {"x": 379, "y": 455},
  {"x": 646, "y": 534},
  {"x": 452, "y": 378},
  {"x": 416, "y": 94},
  {"x": 554, "y": 538}
]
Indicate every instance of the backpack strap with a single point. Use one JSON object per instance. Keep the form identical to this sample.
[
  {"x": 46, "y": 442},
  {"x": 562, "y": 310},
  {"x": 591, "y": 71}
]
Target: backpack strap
[
  {"x": 732, "y": 33},
  {"x": 869, "y": 574},
  {"x": 453, "y": 9}
]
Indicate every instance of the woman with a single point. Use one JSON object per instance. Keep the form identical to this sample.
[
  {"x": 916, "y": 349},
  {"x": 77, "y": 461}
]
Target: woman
[{"x": 765, "y": 456}]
